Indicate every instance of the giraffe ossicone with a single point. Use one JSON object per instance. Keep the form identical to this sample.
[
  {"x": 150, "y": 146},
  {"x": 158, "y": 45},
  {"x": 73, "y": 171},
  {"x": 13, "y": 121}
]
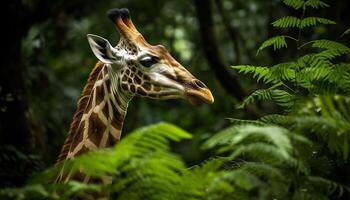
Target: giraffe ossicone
[{"x": 132, "y": 68}]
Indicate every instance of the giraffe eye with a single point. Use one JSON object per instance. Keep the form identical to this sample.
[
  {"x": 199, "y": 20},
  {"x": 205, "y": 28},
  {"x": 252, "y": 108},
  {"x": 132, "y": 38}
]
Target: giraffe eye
[{"x": 148, "y": 61}]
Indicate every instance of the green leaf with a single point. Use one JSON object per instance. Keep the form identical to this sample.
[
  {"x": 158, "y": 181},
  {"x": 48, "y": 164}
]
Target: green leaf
[
  {"x": 346, "y": 32},
  {"x": 296, "y": 4},
  {"x": 284, "y": 71},
  {"x": 315, "y": 4},
  {"x": 277, "y": 42},
  {"x": 328, "y": 44},
  {"x": 257, "y": 71},
  {"x": 287, "y": 22},
  {"x": 294, "y": 22},
  {"x": 280, "y": 97},
  {"x": 313, "y": 21}
]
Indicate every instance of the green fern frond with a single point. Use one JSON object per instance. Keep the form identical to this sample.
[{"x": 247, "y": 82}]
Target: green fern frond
[
  {"x": 36, "y": 191},
  {"x": 294, "y": 22},
  {"x": 315, "y": 4},
  {"x": 263, "y": 170},
  {"x": 281, "y": 120},
  {"x": 241, "y": 135},
  {"x": 346, "y": 32},
  {"x": 296, "y": 4},
  {"x": 141, "y": 143},
  {"x": 313, "y": 21},
  {"x": 324, "y": 79},
  {"x": 314, "y": 74},
  {"x": 260, "y": 73},
  {"x": 341, "y": 72},
  {"x": 235, "y": 138},
  {"x": 283, "y": 71},
  {"x": 329, "y": 44},
  {"x": 313, "y": 61},
  {"x": 332, "y": 53},
  {"x": 277, "y": 42},
  {"x": 280, "y": 97},
  {"x": 327, "y": 186},
  {"x": 242, "y": 179},
  {"x": 143, "y": 163},
  {"x": 287, "y": 22},
  {"x": 333, "y": 49},
  {"x": 269, "y": 144},
  {"x": 274, "y": 74},
  {"x": 261, "y": 152},
  {"x": 331, "y": 123}
]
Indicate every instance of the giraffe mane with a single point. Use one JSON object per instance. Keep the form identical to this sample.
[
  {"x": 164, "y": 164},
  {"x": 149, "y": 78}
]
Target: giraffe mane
[{"x": 81, "y": 106}]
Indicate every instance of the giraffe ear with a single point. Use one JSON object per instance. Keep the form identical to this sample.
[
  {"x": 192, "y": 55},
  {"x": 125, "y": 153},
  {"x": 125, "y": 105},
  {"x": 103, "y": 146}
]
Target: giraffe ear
[{"x": 102, "y": 49}]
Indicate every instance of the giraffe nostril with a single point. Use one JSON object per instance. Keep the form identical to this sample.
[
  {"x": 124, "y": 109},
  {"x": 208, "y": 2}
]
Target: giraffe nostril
[{"x": 199, "y": 83}]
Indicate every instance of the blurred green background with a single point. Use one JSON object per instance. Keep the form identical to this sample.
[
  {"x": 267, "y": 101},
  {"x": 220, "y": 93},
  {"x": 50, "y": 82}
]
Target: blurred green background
[{"x": 47, "y": 61}]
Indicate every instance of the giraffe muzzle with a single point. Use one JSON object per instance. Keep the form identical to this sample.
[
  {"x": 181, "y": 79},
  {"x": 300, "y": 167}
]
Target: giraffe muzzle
[{"x": 198, "y": 93}]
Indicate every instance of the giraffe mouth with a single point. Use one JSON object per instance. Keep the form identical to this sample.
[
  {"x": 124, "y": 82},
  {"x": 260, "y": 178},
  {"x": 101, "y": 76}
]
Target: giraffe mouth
[{"x": 200, "y": 96}]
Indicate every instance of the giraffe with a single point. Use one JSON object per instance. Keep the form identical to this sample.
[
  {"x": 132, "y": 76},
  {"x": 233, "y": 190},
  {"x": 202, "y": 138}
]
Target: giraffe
[{"x": 132, "y": 68}]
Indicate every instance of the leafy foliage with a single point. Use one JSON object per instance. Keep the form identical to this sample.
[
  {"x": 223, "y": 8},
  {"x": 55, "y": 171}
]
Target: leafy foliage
[
  {"x": 279, "y": 156},
  {"x": 294, "y": 22},
  {"x": 297, "y": 4},
  {"x": 318, "y": 74},
  {"x": 346, "y": 32},
  {"x": 143, "y": 168},
  {"x": 142, "y": 160},
  {"x": 280, "y": 97},
  {"x": 313, "y": 91},
  {"x": 277, "y": 42},
  {"x": 269, "y": 154}
]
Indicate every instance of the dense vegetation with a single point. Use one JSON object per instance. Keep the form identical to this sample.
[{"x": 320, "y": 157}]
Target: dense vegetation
[{"x": 296, "y": 148}]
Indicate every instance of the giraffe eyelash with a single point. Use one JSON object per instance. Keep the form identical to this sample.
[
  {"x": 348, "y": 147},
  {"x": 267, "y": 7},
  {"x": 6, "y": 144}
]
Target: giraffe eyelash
[{"x": 148, "y": 60}]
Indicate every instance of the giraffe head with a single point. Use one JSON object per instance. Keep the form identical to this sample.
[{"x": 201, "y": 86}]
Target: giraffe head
[{"x": 143, "y": 69}]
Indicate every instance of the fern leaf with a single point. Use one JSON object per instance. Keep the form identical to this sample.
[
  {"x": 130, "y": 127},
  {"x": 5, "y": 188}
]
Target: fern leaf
[
  {"x": 263, "y": 170},
  {"x": 327, "y": 186},
  {"x": 283, "y": 71},
  {"x": 346, "y": 32},
  {"x": 315, "y": 4},
  {"x": 294, "y": 22},
  {"x": 240, "y": 135},
  {"x": 323, "y": 79},
  {"x": 330, "y": 123},
  {"x": 281, "y": 120},
  {"x": 331, "y": 45},
  {"x": 277, "y": 42},
  {"x": 280, "y": 97},
  {"x": 146, "y": 142},
  {"x": 275, "y": 74},
  {"x": 315, "y": 73},
  {"x": 260, "y": 73},
  {"x": 261, "y": 152},
  {"x": 296, "y": 4},
  {"x": 313, "y": 21},
  {"x": 313, "y": 61},
  {"x": 332, "y": 53},
  {"x": 287, "y": 22}
]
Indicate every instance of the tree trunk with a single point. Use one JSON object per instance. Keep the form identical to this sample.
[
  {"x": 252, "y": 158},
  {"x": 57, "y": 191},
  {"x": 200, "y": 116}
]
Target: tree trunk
[
  {"x": 211, "y": 49},
  {"x": 14, "y": 127},
  {"x": 228, "y": 80}
]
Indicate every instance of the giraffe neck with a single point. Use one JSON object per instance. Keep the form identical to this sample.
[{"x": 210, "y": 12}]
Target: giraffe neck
[
  {"x": 99, "y": 118},
  {"x": 102, "y": 121}
]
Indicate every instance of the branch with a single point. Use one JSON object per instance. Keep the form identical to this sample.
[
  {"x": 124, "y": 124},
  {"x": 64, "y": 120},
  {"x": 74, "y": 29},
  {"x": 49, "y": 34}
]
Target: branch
[
  {"x": 232, "y": 31},
  {"x": 211, "y": 50}
]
